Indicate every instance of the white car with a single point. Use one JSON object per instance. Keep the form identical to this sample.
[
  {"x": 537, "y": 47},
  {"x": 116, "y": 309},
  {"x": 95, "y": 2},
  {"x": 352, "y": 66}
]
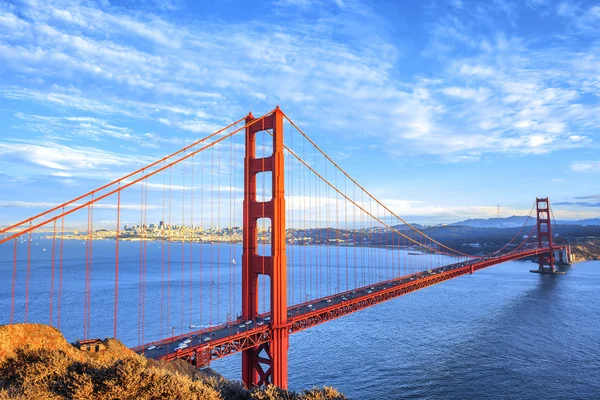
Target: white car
[
  {"x": 309, "y": 306},
  {"x": 150, "y": 347}
]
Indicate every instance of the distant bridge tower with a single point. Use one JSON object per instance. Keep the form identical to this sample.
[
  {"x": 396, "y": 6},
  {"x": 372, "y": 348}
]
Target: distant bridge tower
[
  {"x": 267, "y": 362},
  {"x": 544, "y": 234}
]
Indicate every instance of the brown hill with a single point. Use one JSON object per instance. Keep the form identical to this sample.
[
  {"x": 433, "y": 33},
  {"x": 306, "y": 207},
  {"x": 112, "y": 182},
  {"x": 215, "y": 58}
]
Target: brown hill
[{"x": 36, "y": 362}]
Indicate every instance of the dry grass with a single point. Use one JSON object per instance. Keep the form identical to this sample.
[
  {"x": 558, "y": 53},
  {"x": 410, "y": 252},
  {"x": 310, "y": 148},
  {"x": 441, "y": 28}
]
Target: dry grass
[{"x": 37, "y": 363}]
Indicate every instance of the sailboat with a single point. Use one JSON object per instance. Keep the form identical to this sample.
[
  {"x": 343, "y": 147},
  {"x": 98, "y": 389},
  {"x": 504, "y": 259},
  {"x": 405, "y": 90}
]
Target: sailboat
[{"x": 233, "y": 261}]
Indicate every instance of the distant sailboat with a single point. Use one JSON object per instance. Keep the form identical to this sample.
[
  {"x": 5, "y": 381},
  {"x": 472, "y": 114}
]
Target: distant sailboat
[
  {"x": 233, "y": 261},
  {"x": 44, "y": 249}
]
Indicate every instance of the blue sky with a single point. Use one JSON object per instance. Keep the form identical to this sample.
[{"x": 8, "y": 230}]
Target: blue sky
[{"x": 443, "y": 109}]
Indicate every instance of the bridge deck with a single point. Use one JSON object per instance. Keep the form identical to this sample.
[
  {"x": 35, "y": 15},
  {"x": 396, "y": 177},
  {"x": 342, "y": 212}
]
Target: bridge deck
[{"x": 223, "y": 340}]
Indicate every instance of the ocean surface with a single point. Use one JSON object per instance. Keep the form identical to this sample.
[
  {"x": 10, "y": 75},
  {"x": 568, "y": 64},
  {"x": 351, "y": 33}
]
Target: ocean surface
[{"x": 500, "y": 333}]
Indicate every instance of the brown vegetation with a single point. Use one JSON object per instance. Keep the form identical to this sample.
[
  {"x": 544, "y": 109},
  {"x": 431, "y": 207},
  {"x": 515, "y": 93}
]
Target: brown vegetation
[{"x": 36, "y": 362}]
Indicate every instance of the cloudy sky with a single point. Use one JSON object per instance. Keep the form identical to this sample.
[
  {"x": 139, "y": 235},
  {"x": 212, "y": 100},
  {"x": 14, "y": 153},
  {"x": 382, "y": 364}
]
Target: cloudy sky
[{"x": 444, "y": 109}]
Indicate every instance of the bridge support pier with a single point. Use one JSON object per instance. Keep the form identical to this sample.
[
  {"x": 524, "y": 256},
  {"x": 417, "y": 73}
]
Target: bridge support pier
[{"x": 266, "y": 363}]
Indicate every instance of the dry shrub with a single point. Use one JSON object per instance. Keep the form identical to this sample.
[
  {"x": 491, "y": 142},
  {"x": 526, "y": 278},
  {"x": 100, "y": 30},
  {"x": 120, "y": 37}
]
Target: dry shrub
[
  {"x": 52, "y": 374},
  {"x": 327, "y": 393},
  {"x": 36, "y": 362}
]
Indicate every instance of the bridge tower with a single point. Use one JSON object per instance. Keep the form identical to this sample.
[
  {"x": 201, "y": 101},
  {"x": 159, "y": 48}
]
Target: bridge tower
[
  {"x": 544, "y": 235},
  {"x": 265, "y": 363}
]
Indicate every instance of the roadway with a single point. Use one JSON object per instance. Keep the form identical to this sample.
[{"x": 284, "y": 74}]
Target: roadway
[{"x": 235, "y": 336}]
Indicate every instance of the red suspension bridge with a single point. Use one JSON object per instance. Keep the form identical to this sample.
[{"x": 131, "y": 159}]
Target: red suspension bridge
[{"x": 315, "y": 246}]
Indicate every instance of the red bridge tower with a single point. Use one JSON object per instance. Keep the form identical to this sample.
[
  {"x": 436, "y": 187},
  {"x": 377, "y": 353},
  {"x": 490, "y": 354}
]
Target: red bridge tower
[
  {"x": 265, "y": 363},
  {"x": 544, "y": 235}
]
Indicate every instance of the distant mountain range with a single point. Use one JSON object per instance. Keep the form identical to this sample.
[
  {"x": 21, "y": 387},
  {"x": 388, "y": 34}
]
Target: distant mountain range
[{"x": 517, "y": 221}]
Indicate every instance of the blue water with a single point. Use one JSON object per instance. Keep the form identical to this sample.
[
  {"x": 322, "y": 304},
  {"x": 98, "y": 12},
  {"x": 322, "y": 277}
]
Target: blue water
[{"x": 500, "y": 333}]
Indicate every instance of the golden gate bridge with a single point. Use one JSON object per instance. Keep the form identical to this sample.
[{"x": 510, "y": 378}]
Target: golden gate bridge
[{"x": 311, "y": 249}]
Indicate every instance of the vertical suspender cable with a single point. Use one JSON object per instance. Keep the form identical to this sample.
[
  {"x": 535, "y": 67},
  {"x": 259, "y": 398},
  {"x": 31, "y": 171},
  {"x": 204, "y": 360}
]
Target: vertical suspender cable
[
  {"x": 116, "y": 313},
  {"x": 169, "y": 239},
  {"x": 212, "y": 227},
  {"x": 201, "y": 233},
  {"x": 60, "y": 270},
  {"x": 91, "y": 265},
  {"x": 218, "y": 239},
  {"x": 52, "y": 276},
  {"x": 182, "y": 238},
  {"x": 162, "y": 261},
  {"x": 141, "y": 262},
  {"x": 192, "y": 239},
  {"x": 28, "y": 274},
  {"x": 14, "y": 281}
]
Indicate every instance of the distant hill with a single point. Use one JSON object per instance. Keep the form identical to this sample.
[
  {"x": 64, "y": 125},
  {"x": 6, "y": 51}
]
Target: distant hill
[{"x": 518, "y": 221}]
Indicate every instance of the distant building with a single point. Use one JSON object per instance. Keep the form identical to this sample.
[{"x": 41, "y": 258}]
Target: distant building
[
  {"x": 91, "y": 345},
  {"x": 161, "y": 225}
]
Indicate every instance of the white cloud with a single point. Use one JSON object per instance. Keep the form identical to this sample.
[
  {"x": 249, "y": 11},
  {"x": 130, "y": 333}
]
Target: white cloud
[
  {"x": 477, "y": 95},
  {"x": 59, "y": 157},
  {"x": 586, "y": 166},
  {"x": 525, "y": 101}
]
